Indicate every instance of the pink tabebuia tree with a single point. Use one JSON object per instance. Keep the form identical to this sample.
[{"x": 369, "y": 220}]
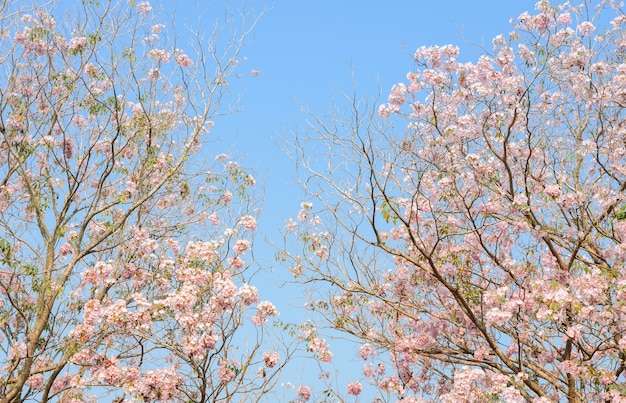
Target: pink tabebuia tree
[
  {"x": 470, "y": 233},
  {"x": 123, "y": 258}
]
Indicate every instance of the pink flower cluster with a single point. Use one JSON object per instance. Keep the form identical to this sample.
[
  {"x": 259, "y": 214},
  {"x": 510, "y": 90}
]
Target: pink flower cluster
[
  {"x": 355, "y": 388},
  {"x": 304, "y": 393},
  {"x": 320, "y": 348},
  {"x": 271, "y": 359},
  {"x": 198, "y": 346},
  {"x": 110, "y": 373},
  {"x": 159, "y": 55},
  {"x": 248, "y": 294},
  {"x": 226, "y": 373},
  {"x": 202, "y": 251},
  {"x": 241, "y": 246},
  {"x": 264, "y": 309},
  {"x": 158, "y": 385},
  {"x": 182, "y": 59},
  {"x": 248, "y": 222},
  {"x": 98, "y": 274},
  {"x": 144, "y": 7}
]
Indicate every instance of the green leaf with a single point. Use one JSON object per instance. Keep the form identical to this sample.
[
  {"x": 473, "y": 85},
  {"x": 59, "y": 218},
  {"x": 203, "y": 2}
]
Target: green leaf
[{"x": 621, "y": 214}]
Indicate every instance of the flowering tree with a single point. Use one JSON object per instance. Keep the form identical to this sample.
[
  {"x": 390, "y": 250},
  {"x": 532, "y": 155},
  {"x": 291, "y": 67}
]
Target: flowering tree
[
  {"x": 123, "y": 258},
  {"x": 472, "y": 237}
]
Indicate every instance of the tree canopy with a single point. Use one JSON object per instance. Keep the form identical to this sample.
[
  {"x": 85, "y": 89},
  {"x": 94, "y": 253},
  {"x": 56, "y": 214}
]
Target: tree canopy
[
  {"x": 470, "y": 232},
  {"x": 125, "y": 252}
]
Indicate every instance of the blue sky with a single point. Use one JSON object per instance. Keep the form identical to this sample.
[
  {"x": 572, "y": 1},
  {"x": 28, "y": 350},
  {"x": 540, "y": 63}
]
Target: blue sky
[{"x": 306, "y": 52}]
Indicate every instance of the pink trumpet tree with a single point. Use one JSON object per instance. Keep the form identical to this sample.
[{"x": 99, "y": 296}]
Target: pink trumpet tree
[
  {"x": 123, "y": 259},
  {"x": 470, "y": 233}
]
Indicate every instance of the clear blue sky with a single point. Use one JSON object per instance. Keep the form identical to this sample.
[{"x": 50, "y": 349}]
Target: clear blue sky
[{"x": 305, "y": 51}]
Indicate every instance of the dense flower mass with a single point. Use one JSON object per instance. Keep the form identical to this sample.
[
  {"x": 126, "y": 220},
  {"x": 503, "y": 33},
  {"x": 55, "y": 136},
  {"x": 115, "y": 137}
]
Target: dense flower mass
[{"x": 124, "y": 255}]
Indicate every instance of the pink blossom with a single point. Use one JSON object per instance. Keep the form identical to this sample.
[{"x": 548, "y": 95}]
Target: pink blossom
[
  {"x": 497, "y": 316},
  {"x": 320, "y": 348},
  {"x": 564, "y": 19},
  {"x": 303, "y": 215},
  {"x": 226, "y": 197},
  {"x": 512, "y": 395},
  {"x": 92, "y": 72},
  {"x": 66, "y": 249},
  {"x": 464, "y": 387},
  {"x": 236, "y": 262},
  {"x": 241, "y": 245},
  {"x": 266, "y": 308},
  {"x": 182, "y": 59},
  {"x": 263, "y": 310},
  {"x": 384, "y": 111},
  {"x": 144, "y": 8},
  {"x": 82, "y": 332},
  {"x": 249, "y": 180},
  {"x": 61, "y": 383},
  {"x": 552, "y": 190},
  {"x": 248, "y": 294},
  {"x": 366, "y": 351},
  {"x": 607, "y": 377},
  {"x": 183, "y": 299},
  {"x": 271, "y": 359},
  {"x": 248, "y": 222},
  {"x": 398, "y": 94},
  {"x": 573, "y": 368},
  {"x": 482, "y": 352},
  {"x": 585, "y": 28},
  {"x": 83, "y": 357},
  {"x": 114, "y": 312},
  {"x": 304, "y": 393},
  {"x": 46, "y": 20},
  {"x": 205, "y": 252},
  {"x": 226, "y": 374},
  {"x": 35, "y": 381},
  {"x": 622, "y": 343},
  {"x": 153, "y": 74},
  {"x": 97, "y": 274},
  {"x": 322, "y": 252},
  {"x": 17, "y": 121},
  {"x": 214, "y": 219},
  {"x": 355, "y": 388},
  {"x": 198, "y": 348},
  {"x": 160, "y": 55},
  {"x": 77, "y": 44},
  {"x": 390, "y": 384},
  {"x": 111, "y": 373},
  {"x": 91, "y": 311},
  {"x": 158, "y": 384},
  {"x": 290, "y": 225},
  {"x": 68, "y": 148}
]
